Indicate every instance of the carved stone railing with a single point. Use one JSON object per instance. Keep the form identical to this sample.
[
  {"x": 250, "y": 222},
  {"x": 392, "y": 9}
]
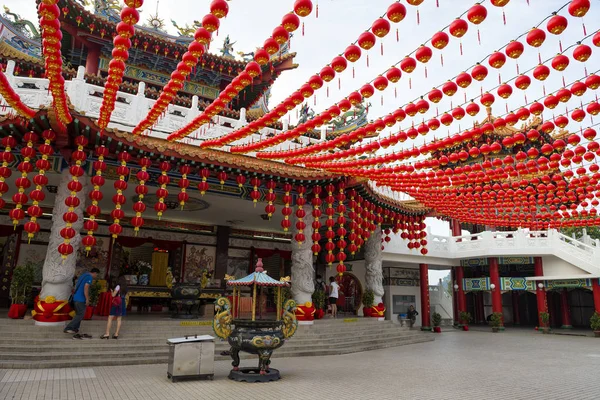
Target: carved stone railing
[
  {"x": 450, "y": 249},
  {"x": 130, "y": 109}
]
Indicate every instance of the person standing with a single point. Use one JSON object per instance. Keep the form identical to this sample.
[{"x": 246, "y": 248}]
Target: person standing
[
  {"x": 333, "y": 295},
  {"x": 118, "y": 307},
  {"x": 412, "y": 315},
  {"x": 81, "y": 299}
]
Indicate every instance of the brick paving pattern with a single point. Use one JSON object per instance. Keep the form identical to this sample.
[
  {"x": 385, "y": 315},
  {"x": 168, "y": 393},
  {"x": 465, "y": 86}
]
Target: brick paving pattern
[{"x": 458, "y": 365}]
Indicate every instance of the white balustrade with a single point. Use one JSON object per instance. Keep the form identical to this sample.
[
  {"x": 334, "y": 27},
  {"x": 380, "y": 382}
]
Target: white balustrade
[
  {"x": 130, "y": 109},
  {"x": 501, "y": 244}
]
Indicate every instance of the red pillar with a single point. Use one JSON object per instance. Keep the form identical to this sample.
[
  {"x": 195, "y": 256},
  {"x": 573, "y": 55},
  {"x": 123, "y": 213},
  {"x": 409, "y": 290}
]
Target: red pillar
[
  {"x": 454, "y": 296},
  {"x": 424, "y": 283},
  {"x": 542, "y": 303},
  {"x": 565, "y": 309},
  {"x": 460, "y": 294},
  {"x": 495, "y": 280},
  {"x": 596, "y": 292},
  {"x": 92, "y": 62},
  {"x": 455, "y": 226},
  {"x": 515, "y": 304}
]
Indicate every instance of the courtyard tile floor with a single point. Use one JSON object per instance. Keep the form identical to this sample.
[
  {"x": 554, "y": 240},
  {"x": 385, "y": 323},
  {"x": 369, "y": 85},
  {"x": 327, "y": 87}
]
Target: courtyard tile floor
[{"x": 458, "y": 365}]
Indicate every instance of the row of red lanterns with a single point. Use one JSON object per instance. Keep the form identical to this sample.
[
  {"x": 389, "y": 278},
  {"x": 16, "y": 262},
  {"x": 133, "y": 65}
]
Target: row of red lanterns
[
  {"x": 13, "y": 99},
  {"x": 463, "y": 80},
  {"x": 189, "y": 60},
  {"x": 536, "y": 108},
  {"x": 487, "y": 99},
  {"x": 379, "y": 29},
  {"x": 120, "y": 53},
  {"x": 51, "y": 40},
  {"x": 289, "y": 23}
]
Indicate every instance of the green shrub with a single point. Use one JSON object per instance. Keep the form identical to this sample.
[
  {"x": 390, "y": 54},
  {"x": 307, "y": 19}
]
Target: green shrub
[
  {"x": 368, "y": 298},
  {"x": 595, "y": 322},
  {"x": 436, "y": 319},
  {"x": 465, "y": 317},
  {"x": 496, "y": 320},
  {"x": 20, "y": 285},
  {"x": 318, "y": 299}
]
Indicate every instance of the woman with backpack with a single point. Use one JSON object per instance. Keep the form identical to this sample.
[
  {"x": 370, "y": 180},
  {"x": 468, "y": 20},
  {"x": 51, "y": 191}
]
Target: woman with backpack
[{"x": 118, "y": 307}]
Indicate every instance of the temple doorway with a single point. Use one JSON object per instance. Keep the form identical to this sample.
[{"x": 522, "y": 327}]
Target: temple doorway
[{"x": 350, "y": 294}]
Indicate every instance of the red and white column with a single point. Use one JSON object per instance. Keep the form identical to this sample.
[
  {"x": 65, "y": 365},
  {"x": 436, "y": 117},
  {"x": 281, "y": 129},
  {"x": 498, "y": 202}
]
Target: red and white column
[
  {"x": 565, "y": 309},
  {"x": 496, "y": 293},
  {"x": 424, "y": 283},
  {"x": 542, "y": 303}
]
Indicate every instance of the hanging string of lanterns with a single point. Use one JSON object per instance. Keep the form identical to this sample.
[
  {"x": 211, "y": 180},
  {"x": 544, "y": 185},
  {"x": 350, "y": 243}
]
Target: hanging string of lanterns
[
  {"x": 162, "y": 193},
  {"x": 25, "y": 167},
  {"x": 463, "y": 80},
  {"x": 74, "y": 186},
  {"x": 8, "y": 143},
  {"x": 281, "y": 34},
  {"x": 183, "y": 197},
  {"x": 286, "y": 210},
  {"x": 51, "y": 40},
  {"x": 93, "y": 210},
  {"x": 120, "y": 53},
  {"x": 380, "y": 28},
  {"x": 196, "y": 49},
  {"x": 300, "y": 214},
  {"x": 37, "y": 195},
  {"x": 13, "y": 99},
  {"x": 141, "y": 190},
  {"x": 119, "y": 199},
  {"x": 316, "y": 213}
]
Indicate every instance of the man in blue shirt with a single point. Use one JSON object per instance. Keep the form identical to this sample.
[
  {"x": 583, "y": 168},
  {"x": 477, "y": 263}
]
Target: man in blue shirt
[{"x": 81, "y": 299}]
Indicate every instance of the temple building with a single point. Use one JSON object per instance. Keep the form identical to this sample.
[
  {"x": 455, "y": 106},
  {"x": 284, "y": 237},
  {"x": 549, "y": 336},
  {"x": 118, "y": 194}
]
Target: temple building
[{"x": 159, "y": 157}]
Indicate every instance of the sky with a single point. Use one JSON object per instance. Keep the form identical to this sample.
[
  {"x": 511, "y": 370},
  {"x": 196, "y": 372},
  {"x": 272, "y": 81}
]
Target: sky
[{"x": 340, "y": 22}]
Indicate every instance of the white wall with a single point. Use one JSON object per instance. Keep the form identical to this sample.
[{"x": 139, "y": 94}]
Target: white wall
[
  {"x": 402, "y": 291},
  {"x": 554, "y": 266}
]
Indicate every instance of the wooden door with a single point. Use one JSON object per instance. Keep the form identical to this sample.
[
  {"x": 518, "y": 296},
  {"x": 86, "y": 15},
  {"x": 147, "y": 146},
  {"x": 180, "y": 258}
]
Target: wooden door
[{"x": 160, "y": 264}]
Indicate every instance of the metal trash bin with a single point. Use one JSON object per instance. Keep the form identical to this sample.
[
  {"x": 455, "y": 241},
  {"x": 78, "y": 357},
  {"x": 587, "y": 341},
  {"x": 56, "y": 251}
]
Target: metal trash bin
[{"x": 191, "y": 357}]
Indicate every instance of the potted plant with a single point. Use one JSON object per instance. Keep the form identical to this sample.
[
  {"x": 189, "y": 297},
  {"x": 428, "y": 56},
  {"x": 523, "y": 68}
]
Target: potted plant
[
  {"x": 20, "y": 289},
  {"x": 436, "y": 320},
  {"x": 94, "y": 293},
  {"x": 318, "y": 299},
  {"x": 496, "y": 321},
  {"x": 545, "y": 319},
  {"x": 595, "y": 324},
  {"x": 368, "y": 299},
  {"x": 465, "y": 319}
]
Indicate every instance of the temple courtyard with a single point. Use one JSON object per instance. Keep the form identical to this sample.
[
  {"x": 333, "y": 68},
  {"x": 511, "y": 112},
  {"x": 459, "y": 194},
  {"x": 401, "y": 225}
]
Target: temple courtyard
[{"x": 515, "y": 364}]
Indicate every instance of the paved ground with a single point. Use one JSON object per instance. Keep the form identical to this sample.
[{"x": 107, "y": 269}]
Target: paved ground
[{"x": 458, "y": 365}]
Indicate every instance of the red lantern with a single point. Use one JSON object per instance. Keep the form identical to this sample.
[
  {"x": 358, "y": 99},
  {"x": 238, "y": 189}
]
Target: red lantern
[
  {"x": 440, "y": 40},
  {"x": 290, "y": 22},
  {"x": 497, "y": 60},
  {"x": 458, "y": 28},
  {"x": 366, "y": 40},
  {"x": 578, "y": 8},
  {"x": 560, "y": 62},
  {"x": 536, "y": 37},
  {"x": 477, "y": 14},
  {"x": 479, "y": 72},
  {"x": 339, "y": 64},
  {"x": 393, "y": 74},
  {"x": 557, "y": 24},
  {"x": 449, "y": 88},
  {"x": 352, "y": 53},
  {"x": 463, "y": 80},
  {"x": 582, "y": 53},
  {"x": 541, "y": 72},
  {"x": 522, "y": 82},
  {"x": 514, "y": 49},
  {"x": 303, "y": 8},
  {"x": 367, "y": 91},
  {"x": 408, "y": 65},
  {"x": 396, "y": 12},
  {"x": 381, "y": 27},
  {"x": 423, "y": 54}
]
